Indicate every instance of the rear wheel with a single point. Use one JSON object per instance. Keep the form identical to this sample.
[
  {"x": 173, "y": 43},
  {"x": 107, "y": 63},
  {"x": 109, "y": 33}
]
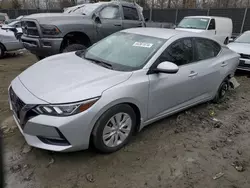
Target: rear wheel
[
  {"x": 74, "y": 47},
  {"x": 222, "y": 91},
  {"x": 114, "y": 129}
]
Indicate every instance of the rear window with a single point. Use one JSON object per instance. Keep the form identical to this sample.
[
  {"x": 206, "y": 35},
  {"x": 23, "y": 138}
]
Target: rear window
[
  {"x": 194, "y": 23},
  {"x": 130, "y": 13},
  {"x": 206, "y": 49}
]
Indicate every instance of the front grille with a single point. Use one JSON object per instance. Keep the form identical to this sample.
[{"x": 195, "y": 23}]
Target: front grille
[
  {"x": 22, "y": 111},
  {"x": 17, "y": 103},
  {"x": 30, "y": 28},
  {"x": 245, "y": 56},
  {"x": 243, "y": 64}
]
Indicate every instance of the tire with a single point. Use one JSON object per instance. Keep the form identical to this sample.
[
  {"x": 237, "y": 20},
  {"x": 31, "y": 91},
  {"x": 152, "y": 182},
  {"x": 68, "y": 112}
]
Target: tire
[
  {"x": 74, "y": 47},
  {"x": 2, "y": 51},
  {"x": 221, "y": 93},
  {"x": 39, "y": 57},
  {"x": 105, "y": 143},
  {"x": 226, "y": 41}
]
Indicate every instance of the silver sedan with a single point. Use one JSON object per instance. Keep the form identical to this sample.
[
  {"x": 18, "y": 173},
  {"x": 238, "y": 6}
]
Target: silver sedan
[{"x": 116, "y": 87}]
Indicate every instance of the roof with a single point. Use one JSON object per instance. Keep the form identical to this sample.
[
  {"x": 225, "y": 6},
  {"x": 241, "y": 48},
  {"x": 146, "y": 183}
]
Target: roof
[
  {"x": 158, "y": 32},
  {"x": 206, "y": 17}
]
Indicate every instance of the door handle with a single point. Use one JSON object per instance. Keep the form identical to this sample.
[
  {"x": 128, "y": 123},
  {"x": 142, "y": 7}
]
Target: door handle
[
  {"x": 193, "y": 74},
  {"x": 118, "y": 25},
  {"x": 224, "y": 64}
]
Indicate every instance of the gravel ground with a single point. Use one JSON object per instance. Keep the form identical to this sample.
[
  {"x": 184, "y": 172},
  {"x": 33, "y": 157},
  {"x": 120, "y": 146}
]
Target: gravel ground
[{"x": 205, "y": 146}]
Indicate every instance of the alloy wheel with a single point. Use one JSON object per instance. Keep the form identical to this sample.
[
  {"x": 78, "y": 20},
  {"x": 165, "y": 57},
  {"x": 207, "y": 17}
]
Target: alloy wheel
[{"x": 117, "y": 129}]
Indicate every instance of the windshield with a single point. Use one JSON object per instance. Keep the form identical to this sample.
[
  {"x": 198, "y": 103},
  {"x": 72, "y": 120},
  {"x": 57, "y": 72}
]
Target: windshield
[
  {"x": 2, "y": 18},
  {"x": 194, "y": 23},
  {"x": 86, "y": 9},
  {"x": 125, "y": 51},
  {"x": 244, "y": 38}
]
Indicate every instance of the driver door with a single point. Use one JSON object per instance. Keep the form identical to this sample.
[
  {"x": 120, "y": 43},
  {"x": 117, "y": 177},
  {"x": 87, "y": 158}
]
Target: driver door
[
  {"x": 170, "y": 91},
  {"x": 109, "y": 22}
]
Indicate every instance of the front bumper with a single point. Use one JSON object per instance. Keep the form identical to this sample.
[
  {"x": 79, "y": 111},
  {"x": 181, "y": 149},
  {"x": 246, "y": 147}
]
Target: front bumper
[
  {"x": 61, "y": 134},
  {"x": 42, "y": 46},
  {"x": 244, "y": 64}
]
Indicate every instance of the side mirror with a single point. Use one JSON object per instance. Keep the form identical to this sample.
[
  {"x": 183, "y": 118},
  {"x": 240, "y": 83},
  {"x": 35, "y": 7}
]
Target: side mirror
[
  {"x": 96, "y": 18},
  {"x": 167, "y": 67}
]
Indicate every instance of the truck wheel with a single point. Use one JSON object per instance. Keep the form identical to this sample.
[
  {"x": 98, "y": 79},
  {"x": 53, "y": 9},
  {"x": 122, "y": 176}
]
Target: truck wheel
[
  {"x": 74, "y": 47},
  {"x": 2, "y": 51},
  {"x": 39, "y": 57}
]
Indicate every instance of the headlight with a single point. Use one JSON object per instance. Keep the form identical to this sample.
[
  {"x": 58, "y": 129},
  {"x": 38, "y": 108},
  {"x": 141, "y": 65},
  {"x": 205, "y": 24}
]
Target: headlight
[
  {"x": 65, "y": 109},
  {"x": 49, "y": 30}
]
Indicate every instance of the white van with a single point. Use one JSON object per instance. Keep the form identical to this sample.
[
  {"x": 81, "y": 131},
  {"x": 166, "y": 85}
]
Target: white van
[{"x": 221, "y": 28}]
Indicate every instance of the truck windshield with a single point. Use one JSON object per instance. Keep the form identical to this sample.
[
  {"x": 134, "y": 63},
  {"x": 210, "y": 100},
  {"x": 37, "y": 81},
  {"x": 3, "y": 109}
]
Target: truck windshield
[
  {"x": 244, "y": 38},
  {"x": 86, "y": 9},
  {"x": 194, "y": 23},
  {"x": 124, "y": 51}
]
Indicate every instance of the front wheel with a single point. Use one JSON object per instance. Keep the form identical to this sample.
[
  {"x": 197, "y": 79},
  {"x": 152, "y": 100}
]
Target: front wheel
[{"x": 114, "y": 129}]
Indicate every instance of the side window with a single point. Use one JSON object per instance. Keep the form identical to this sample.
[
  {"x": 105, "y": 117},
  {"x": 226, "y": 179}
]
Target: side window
[
  {"x": 179, "y": 52},
  {"x": 211, "y": 25},
  {"x": 110, "y": 12},
  {"x": 206, "y": 49},
  {"x": 130, "y": 13}
]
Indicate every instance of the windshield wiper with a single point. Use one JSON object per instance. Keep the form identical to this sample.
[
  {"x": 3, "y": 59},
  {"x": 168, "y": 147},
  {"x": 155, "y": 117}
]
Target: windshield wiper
[{"x": 101, "y": 63}]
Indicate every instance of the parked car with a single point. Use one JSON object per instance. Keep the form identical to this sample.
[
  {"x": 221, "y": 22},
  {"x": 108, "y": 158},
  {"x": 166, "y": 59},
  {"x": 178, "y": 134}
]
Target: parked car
[
  {"x": 241, "y": 45},
  {"x": 218, "y": 27},
  {"x": 10, "y": 38},
  {"x": 118, "y": 86},
  {"x": 13, "y": 20},
  {"x": 48, "y": 34},
  {"x": 3, "y": 17}
]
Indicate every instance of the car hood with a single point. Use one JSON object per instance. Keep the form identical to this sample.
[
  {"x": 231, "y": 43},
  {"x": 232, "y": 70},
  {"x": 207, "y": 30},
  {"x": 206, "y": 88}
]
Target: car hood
[
  {"x": 190, "y": 30},
  {"x": 68, "y": 78},
  {"x": 241, "y": 48},
  {"x": 45, "y": 18}
]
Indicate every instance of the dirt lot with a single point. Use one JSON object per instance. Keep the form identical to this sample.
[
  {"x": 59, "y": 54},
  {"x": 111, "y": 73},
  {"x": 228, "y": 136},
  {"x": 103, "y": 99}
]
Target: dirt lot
[{"x": 206, "y": 146}]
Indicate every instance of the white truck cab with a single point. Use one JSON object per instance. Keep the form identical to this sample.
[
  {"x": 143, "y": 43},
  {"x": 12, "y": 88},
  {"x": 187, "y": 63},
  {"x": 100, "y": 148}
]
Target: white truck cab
[{"x": 220, "y": 28}]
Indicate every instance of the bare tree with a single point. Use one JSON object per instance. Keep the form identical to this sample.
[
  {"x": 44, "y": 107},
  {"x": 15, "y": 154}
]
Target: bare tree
[{"x": 16, "y": 4}]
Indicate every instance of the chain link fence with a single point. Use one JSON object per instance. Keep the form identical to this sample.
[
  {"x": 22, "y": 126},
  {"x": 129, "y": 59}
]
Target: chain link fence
[{"x": 240, "y": 16}]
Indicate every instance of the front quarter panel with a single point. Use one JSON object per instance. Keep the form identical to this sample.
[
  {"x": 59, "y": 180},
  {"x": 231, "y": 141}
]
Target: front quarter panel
[{"x": 134, "y": 91}]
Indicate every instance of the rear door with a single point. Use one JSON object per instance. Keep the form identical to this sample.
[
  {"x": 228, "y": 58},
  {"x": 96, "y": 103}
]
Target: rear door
[
  {"x": 208, "y": 66},
  {"x": 131, "y": 17},
  {"x": 110, "y": 21}
]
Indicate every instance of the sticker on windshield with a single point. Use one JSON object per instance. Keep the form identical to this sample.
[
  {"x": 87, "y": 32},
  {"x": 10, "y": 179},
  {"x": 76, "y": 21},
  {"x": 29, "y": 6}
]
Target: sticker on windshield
[{"x": 143, "y": 44}]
